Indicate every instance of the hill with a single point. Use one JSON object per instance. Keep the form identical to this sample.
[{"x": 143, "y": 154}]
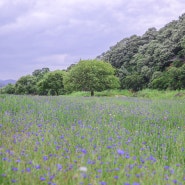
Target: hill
[
  {"x": 156, "y": 59},
  {"x": 6, "y": 82}
]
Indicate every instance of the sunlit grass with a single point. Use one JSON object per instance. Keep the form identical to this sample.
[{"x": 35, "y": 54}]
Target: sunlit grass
[{"x": 84, "y": 140}]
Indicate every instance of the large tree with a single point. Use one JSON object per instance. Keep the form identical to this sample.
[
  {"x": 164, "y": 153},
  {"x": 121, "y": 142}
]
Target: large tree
[
  {"x": 26, "y": 85},
  {"x": 91, "y": 75},
  {"x": 39, "y": 73},
  {"x": 51, "y": 83}
]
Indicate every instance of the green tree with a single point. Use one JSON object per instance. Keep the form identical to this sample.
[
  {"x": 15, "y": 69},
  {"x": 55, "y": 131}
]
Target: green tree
[
  {"x": 51, "y": 83},
  {"x": 26, "y": 85},
  {"x": 8, "y": 89},
  {"x": 39, "y": 73},
  {"x": 182, "y": 76},
  {"x": 134, "y": 82},
  {"x": 160, "y": 83},
  {"x": 91, "y": 75},
  {"x": 174, "y": 78}
]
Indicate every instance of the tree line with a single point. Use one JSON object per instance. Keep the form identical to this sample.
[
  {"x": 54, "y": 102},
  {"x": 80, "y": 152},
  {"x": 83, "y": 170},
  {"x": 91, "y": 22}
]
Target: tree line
[
  {"x": 154, "y": 60},
  {"x": 87, "y": 75}
]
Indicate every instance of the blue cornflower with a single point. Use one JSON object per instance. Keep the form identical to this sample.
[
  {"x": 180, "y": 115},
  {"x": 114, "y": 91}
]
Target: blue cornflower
[
  {"x": 136, "y": 183},
  {"x": 102, "y": 183},
  {"x": 13, "y": 181},
  {"x": 166, "y": 167},
  {"x": 120, "y": 152},
  {"x": 37, "y": 167},
  {"x": 59, "y": 167},
  {"x": 28, "y": 169},
  {"x": 84, "y": 151},
  {"x": 45, "y": 158},
  {"x": 14, "y": 169},
  {"x": 175, "y": 181},
  {"x": 172, "y": 171},
  {"x": 151, "y": 158},
  {"x": 51, "y": 183},
  {"x": 42, "y": 178},
  {"x": 52, "y": 177},
  {"x": 18, "y": 160}
]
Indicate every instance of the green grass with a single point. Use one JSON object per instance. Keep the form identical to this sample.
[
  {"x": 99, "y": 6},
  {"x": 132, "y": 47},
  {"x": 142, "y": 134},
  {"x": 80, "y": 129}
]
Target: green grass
[
  {"x": 118, "y": 139},
  {"x": 145, "y": 93}
]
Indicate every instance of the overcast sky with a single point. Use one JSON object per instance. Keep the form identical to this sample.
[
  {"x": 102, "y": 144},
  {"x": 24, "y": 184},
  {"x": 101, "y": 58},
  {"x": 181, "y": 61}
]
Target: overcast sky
[{"x": 56, "y": 33}]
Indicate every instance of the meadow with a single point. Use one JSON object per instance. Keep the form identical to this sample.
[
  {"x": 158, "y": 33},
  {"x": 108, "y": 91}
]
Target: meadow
[{"x": 91, "y": 140}]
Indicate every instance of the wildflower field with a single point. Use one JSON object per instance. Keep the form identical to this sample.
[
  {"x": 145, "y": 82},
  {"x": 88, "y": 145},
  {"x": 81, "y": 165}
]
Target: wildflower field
[{"x": 91, "y": 141}]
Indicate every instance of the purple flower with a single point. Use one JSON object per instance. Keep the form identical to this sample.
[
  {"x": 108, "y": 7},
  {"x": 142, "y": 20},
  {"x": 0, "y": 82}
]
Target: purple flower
[
  {"x": 175, "y": 181},
  {"x": 37, "y": 167},
  {"x": 151, "y": 158},
  {"x": 120, "y": 152},
  {"x": 109, "y": 147},
  {"x": 51, "y": 183},
  {"x": 58, "y": 147},
  {"x": 52, "y": 177},
  {"x": 116, "y": 169},
  {"x": 18, "y": 160},
  {"x": 102, "y": 183},
  {"x": 42, "y": 178},
  {"x": 126, "y": 183},
  {"x": 28, "y": 169},
  {"x": 45, "y": 158},
  {"x": 84, "y": 151},
  {"x": 127, "y": 156},
  {"x": 116, "y": 177},
  {"x": 13, "y": 181},
  {"x": 172, "y": 171},
  {"x": 136, "y": 183},
  {"x": 61, "y": 137},
  {"x": 166, "y": 167},
  {"x": 30, "y": 162},
  {"x": 59, "y": 167},
  {"x": 14, "y": 169}
]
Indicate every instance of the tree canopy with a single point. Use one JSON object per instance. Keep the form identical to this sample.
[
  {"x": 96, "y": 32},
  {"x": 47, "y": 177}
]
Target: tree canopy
[
  {"x": 91, "y": 75},
  {"x": 51, "y": 83},
  {"x": 154, "y": 51}
]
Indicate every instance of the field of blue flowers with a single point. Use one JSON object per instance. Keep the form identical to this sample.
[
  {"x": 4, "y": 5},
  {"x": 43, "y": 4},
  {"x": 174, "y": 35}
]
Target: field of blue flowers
[{"x": 91, "y": 141}]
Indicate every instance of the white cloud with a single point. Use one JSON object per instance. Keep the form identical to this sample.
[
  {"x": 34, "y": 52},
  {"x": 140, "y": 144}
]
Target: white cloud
[{"x": 37, "y": 33}]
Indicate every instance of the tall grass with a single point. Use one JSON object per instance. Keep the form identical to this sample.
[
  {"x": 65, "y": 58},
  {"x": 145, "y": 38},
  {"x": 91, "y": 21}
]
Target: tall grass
[
  {"x": 84, "y": 140},
  {"x": 145, "y": 93}
]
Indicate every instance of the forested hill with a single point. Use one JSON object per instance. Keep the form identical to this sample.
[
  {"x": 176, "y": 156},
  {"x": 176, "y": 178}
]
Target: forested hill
[{"x": 156, "y": 59}]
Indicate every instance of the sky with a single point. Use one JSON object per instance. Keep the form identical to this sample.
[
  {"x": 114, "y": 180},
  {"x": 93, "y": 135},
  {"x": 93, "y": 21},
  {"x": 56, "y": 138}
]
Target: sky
[{"x": 57, "y": 33}]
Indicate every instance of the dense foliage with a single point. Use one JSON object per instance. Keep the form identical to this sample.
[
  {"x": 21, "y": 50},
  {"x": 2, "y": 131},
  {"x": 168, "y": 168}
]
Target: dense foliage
[
  {"x": 91, "y": 76},
  {"x": 87, "y": 75},
  {"x": 157, "y": 58}
]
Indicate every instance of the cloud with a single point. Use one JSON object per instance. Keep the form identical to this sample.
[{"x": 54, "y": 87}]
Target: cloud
[
  {"x": 58, "y": 60},
  {"x": 36, "y": 33}
]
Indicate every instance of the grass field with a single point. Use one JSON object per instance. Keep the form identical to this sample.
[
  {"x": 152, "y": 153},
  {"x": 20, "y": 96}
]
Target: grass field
[{"x": 98, "y": 141}]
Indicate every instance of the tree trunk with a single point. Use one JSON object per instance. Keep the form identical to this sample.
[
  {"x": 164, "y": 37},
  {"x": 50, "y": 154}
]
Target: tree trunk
[{"x": 92, "y": 93}]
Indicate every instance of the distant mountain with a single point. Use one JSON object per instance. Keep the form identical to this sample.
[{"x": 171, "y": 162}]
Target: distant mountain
[{"x": 6, "y": 82}]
